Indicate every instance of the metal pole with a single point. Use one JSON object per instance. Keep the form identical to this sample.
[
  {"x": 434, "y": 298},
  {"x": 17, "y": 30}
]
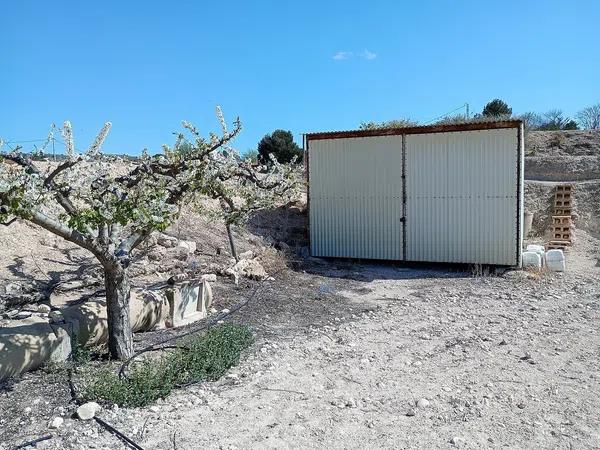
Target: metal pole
[{"x": 467, "y": 105}]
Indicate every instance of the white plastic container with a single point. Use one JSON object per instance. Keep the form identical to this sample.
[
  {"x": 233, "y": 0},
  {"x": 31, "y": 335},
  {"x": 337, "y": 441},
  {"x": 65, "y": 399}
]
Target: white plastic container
[
  {"x": 555, "y": 260},
  {"x": 532, "y": 259},
  {"x": 536, "y": 248},
  {"x": 539, "y": 249}
]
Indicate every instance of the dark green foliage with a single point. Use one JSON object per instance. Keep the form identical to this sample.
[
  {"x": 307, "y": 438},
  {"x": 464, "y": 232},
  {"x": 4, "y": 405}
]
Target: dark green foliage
[
  {"x": 497, "y": 108},
  {"x": 281, "y": 145},
  {"x": 554, "y": 120},
  {"x": 570, "y": 125},
  {"x": 204, "y": 358}
]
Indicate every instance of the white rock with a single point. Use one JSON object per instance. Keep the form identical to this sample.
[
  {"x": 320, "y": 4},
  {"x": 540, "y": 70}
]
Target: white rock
[
  {"x": 154, "y": 409},
  {"x": 27, "y": 410},
  {"x": 56, "y": 422},
  {"x": 423, "y": 403},
  {"x": 88, "y": 410},
  {"x": 457, "y": 441},
  {"x": 210, "y": 277},
  {"x": 23, "y": 315},
  {"x": 250, "y": 268},
  {"x": 43, "y": 309},
  {"x": 190, "y": 246},
  {"x": 246, "y": 255}
]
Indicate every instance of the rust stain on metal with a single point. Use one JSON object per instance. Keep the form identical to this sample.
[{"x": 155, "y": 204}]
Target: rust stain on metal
[{"x": 442, "y": 128}]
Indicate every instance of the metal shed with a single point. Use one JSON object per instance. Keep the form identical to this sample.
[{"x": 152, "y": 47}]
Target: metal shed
[{"x": 442, "y": 193}]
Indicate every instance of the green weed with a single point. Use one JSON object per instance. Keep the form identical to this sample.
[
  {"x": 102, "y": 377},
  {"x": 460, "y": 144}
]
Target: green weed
[{"x": 203, "y": 358}]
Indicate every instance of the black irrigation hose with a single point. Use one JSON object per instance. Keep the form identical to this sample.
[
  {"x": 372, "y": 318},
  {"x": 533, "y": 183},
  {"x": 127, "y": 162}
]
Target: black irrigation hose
[
  {"x": 117, "y": 433},
  {"x": 33, "y": 442}
]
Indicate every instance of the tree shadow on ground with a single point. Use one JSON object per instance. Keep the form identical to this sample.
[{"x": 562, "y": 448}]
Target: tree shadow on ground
[{"x": 42, "y": 284}]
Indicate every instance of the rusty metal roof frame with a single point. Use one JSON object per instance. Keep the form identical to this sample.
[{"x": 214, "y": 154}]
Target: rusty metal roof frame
[{"x": 422, "y": 129}]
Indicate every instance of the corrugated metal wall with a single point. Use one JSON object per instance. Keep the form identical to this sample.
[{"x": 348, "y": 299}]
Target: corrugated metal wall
[
  {"x": 462, "y": 197},
  {"x": 356, "y": 197},
  {"x": 462, "y": 201}
]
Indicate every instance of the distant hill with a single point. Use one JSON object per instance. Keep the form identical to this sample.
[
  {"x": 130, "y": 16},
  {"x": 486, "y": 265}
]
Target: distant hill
[{"x": 562, "y": 155}]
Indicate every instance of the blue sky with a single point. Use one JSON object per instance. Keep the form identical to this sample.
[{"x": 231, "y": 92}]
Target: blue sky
[{"x": 303, "y": 66}]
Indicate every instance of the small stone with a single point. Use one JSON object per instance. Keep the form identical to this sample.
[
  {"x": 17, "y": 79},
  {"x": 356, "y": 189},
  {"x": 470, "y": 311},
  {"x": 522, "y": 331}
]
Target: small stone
[
  {"x": 44, "y": 309},
  {"x": 23, "y": 315},
  {"x": 88, "y": 410},
  {"x": 411, "y": 412},
  {"x": 27, "y": 410},
  {"x": 210, "y": 277},
  {"x": 423, "y": 403},
  {"x": 225, "y": 311},
  {"x": 154, "y": 409},
  {"x": 189, "y": 246},
  {"x": 56, "y": 422},
  {"x": 521, "y": 405},
  {"x": 246, "y": 255},
  {"x": 457, "y": 441}
]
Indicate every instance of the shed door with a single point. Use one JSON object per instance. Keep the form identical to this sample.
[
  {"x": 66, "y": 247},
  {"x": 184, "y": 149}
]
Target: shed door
[
  {"x": 462, "y": 197},
  {"x": 356, "y": 197}
]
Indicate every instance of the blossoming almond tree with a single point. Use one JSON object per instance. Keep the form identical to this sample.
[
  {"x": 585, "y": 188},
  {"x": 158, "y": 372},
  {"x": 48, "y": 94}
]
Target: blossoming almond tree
[
  {"x": 247, "y": 188},
  {"x": 110, "y": 207}
]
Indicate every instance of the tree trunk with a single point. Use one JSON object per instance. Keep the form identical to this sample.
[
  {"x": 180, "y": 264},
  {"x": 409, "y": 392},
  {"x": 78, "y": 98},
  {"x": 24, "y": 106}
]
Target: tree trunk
[
  {"x": 120, "y": 338},
  {"x": 231, "y": 242}
]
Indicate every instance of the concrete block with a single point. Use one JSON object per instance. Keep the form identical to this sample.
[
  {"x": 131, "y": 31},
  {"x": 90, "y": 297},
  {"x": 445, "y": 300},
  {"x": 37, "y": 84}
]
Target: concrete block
[
  {"x": 28, "y": 344},
  {"x": 188, "y": 302}
]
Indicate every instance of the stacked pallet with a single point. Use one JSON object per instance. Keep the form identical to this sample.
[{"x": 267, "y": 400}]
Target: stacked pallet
[{"x": 562, "y": 226}]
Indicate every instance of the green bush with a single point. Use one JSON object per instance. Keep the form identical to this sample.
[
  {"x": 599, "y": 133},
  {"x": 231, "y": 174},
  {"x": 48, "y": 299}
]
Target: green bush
[{"x": 203, "y": 358}]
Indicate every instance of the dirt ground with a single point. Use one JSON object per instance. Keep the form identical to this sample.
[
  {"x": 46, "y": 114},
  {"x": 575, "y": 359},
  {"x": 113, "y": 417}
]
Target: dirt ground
[{"x": 345, "y": 351}]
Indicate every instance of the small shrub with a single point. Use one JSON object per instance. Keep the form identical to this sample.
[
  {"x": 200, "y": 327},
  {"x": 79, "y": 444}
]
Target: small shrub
[
  {"x": 80, "y": 354},
  {"x": 203, "y": 358}
]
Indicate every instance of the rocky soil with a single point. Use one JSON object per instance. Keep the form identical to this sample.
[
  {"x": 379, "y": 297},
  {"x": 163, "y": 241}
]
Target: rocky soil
[{"x": 375, "y": 356}]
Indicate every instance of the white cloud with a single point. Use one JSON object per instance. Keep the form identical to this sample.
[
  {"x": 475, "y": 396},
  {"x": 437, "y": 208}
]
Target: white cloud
[
  {"x": 366, "y": 54},
  {"x": 342, "y": 55}
]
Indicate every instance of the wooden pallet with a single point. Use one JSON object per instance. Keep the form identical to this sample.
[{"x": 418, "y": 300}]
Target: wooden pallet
[
  {"x": 557, "y": 245},
  {"x": 562, "y": 236}
]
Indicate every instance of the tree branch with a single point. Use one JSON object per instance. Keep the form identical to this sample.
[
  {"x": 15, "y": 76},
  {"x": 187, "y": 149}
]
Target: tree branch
[{"x": 80, "y": 239}]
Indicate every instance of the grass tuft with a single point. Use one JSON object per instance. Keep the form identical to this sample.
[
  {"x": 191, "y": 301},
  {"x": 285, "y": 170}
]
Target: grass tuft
[{"x": 203, "y": 358}]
